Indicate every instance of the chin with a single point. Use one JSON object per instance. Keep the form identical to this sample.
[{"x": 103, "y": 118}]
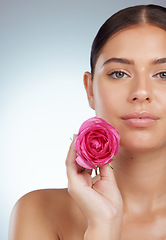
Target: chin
[
  {"x": 141, "y": 140},
  {"x": 139, "y": 146}
]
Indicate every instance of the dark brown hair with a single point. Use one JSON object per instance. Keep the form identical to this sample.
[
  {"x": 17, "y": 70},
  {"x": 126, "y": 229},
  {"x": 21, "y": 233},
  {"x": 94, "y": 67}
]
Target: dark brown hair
[{"x": 141, "y": 14}]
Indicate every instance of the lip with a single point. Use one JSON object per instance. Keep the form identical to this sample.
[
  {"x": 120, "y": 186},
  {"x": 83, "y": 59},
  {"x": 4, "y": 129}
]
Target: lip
[{"x": 140, "y": 119}]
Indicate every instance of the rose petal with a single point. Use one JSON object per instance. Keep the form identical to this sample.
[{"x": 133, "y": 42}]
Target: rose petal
[{"x": 82, "y": 162}]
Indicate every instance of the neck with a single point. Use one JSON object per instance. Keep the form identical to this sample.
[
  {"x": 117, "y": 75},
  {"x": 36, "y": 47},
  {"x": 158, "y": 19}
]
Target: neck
[{"x": 141, "y": 176}]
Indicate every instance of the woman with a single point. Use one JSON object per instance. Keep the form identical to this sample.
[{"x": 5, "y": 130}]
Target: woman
[{"x": 127, "y": 88}]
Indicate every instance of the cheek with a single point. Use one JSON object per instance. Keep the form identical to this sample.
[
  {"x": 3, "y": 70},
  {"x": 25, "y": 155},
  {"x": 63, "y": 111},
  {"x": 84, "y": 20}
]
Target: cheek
[
  {"x": 160, "y": 97},
  {"x": 107, "y": 102}
]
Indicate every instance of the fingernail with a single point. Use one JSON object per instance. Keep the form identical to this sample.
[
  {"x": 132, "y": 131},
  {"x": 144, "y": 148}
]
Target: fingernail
[{"x": 110, "y": 166}]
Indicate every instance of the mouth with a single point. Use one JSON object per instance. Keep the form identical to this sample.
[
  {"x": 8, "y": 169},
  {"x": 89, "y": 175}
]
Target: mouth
[{"x": 140, "y": 119}]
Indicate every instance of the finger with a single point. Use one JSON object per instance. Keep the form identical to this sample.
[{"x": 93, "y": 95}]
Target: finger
[
  {"x": 71, "y": 156},
  {"x": 72, "y": 166},
  {"x": 89, "y": 171}
]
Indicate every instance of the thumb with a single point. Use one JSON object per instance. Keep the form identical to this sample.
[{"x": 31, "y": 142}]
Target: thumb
[{"x": 106, "y": 173}]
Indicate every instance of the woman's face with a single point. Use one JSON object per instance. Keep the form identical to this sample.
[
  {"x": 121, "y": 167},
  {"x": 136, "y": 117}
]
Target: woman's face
[{"x": 130, "y": 78}]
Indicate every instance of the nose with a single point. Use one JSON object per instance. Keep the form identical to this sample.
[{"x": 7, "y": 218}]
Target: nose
[{"x": 141, "y": 90}]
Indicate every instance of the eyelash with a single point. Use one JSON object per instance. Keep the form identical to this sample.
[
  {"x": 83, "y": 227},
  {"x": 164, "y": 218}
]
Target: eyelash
[
  {"x": 126, "y": 75},
  {"x": 116, "y": 72},
  {"x": 159, "y": 74}
]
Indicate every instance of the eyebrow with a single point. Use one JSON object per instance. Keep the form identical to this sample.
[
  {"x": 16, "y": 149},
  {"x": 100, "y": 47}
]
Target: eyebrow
[
  {"x": 118, "y": 60},
  {"x": 159, "y": 61},
  {"x": 127, "y": 61}
]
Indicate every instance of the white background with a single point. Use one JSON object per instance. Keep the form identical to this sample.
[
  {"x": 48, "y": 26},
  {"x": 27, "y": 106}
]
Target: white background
[{"x": 44, "y": 51}]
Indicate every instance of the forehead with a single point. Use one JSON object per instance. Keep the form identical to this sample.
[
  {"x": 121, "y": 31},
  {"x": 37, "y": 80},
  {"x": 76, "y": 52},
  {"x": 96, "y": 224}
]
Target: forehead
[{"x": 137, "y": 42}]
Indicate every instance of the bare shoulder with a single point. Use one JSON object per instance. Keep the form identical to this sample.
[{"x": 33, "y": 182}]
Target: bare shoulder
[{"x": 46, "y": 214}]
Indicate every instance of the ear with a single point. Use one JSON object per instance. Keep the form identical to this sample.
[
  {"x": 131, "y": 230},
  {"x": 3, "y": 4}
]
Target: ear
[{"x": 88, "y": 84}]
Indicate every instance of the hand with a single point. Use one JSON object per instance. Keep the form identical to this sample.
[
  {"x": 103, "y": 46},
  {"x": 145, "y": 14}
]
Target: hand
[{"x": 101, "y": 202}]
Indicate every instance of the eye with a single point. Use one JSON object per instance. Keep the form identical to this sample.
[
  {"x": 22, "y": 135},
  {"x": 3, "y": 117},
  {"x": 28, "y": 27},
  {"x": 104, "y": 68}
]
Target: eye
[
  {"x": 162, "y": 75},
  {"x": 117, "y": 74}
]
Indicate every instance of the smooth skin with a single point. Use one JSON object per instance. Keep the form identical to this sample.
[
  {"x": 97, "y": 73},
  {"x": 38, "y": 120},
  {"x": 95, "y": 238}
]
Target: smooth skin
[{"x": 128, "y": 202}]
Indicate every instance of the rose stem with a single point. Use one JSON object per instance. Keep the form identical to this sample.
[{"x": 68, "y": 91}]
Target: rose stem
[{"x": 96, "y": 172}]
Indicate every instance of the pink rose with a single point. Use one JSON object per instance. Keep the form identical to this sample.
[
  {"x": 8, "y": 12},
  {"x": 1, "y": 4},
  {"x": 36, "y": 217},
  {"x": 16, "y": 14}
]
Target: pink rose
[{"x": 96, "y": 143}]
